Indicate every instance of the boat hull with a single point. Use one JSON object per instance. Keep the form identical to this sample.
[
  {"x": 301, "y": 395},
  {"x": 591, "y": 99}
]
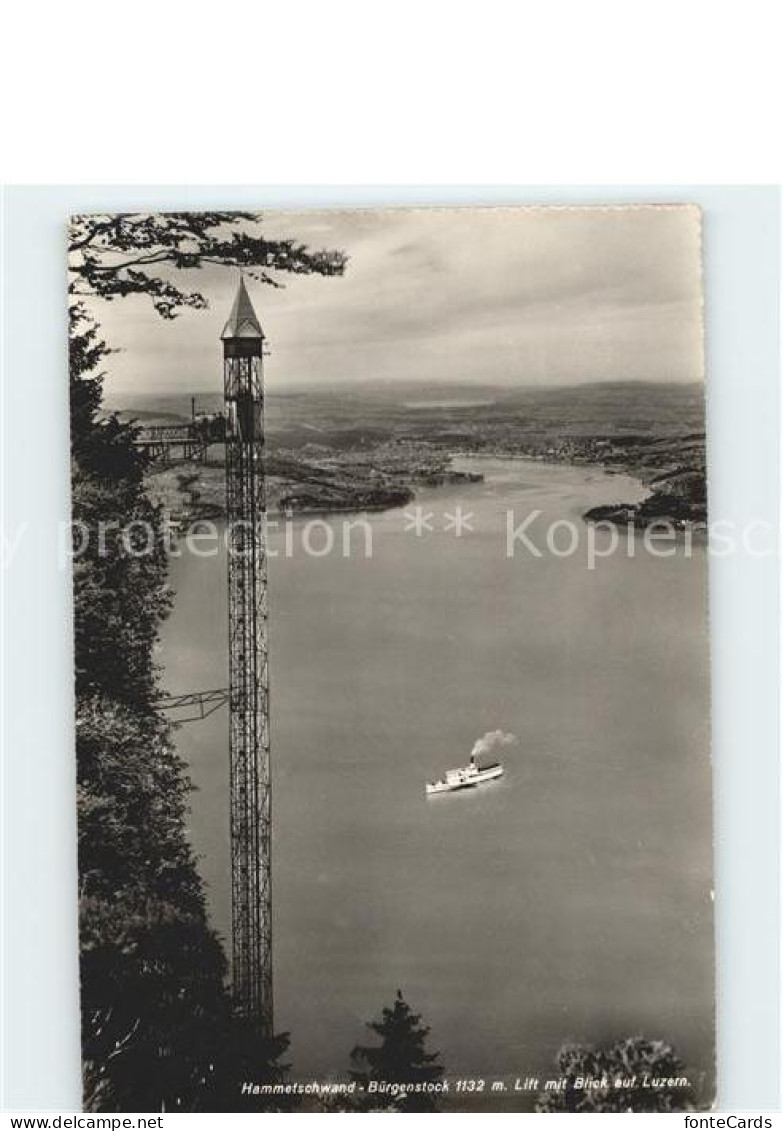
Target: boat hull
[{"x": 463, "y": 779}]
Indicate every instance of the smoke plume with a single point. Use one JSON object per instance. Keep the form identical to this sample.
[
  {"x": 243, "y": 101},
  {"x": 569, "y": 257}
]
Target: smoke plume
[{"x": 490, "y": 741}]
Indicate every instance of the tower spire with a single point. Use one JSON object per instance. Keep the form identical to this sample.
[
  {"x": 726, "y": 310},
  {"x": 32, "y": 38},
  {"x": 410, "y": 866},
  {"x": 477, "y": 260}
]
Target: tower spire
[{"x": 242, "y": 321}]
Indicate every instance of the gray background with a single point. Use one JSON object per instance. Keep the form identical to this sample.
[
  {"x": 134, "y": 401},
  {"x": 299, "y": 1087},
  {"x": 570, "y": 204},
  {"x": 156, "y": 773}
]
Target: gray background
[{"x": 741, "y": 234}]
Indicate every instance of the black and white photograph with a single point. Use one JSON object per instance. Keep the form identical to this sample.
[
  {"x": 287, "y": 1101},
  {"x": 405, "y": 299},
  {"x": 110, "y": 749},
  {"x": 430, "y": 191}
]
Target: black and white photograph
[{"x": 392, "y": 659}]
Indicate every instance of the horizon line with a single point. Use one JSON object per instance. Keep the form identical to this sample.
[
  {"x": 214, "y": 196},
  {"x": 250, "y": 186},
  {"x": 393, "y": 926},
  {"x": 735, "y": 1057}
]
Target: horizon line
[{"x": 466, "y": 385}]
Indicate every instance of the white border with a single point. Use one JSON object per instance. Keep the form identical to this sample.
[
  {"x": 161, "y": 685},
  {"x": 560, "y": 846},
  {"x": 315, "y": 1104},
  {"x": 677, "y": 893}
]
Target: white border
[
  {"x": 741, "y": 233},
  {"x": 442, "y": 91}
]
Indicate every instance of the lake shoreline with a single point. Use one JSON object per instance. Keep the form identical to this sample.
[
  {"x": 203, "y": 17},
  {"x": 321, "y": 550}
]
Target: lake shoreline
[{"x": 175, "y": 501}]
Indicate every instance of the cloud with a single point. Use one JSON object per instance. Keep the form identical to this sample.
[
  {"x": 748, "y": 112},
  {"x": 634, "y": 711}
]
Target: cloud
[{"x": 534, "y": 295}]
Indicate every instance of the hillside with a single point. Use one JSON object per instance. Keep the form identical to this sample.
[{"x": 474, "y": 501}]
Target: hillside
[{"x": 348, "y": 448}]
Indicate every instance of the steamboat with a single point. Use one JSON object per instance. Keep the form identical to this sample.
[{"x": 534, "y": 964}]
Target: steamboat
[{"x": 477, "y": 771}]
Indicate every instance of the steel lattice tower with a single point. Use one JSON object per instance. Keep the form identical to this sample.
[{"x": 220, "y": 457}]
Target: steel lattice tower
[{"x": 248, "y": 671}]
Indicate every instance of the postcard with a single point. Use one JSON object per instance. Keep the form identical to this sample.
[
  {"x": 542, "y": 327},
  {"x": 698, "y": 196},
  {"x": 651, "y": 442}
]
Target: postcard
[{"x": 392, "y": 660}]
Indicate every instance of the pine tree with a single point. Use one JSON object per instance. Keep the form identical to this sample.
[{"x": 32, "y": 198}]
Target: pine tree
[{"x": 400, "y": 1058}]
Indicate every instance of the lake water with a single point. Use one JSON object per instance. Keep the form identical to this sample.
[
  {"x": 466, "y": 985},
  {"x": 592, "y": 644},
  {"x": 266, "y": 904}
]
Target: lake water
[{"x": 568, "y": 901}]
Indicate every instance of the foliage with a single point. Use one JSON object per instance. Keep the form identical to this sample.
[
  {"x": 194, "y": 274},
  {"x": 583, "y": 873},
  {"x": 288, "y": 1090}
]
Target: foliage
[
  {"x": 187, "y": 483},
  {"x": 241, "y": 1054},
  {"x": 112, "y": 256},
  {"x": 158, "y": 1030},
  {"x": 400, "y": 1058},
  {"x": 637, "y": 1062}
]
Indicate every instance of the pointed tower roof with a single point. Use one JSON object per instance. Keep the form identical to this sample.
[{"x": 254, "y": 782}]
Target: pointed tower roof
[{"x": 242, "y": 321}]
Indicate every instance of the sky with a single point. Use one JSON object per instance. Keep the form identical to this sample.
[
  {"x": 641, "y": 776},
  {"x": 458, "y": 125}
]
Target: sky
[{"x": 528, "y": 296}]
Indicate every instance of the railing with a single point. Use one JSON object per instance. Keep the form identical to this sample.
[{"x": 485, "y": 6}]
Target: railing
[
  {"x": 174, "y": 433},
  {"x": 205, "y": 703}
]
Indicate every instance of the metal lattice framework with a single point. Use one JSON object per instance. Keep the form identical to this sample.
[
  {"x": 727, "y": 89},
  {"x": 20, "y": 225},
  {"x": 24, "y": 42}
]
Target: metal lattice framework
[
  {"x": 198, "y": 705},
  {"x": 248, "y": 670}
]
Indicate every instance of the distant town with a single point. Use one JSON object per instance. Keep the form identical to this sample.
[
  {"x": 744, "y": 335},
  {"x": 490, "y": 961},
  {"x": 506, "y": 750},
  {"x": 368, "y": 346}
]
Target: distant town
[{"x": 337, "y": 450}]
